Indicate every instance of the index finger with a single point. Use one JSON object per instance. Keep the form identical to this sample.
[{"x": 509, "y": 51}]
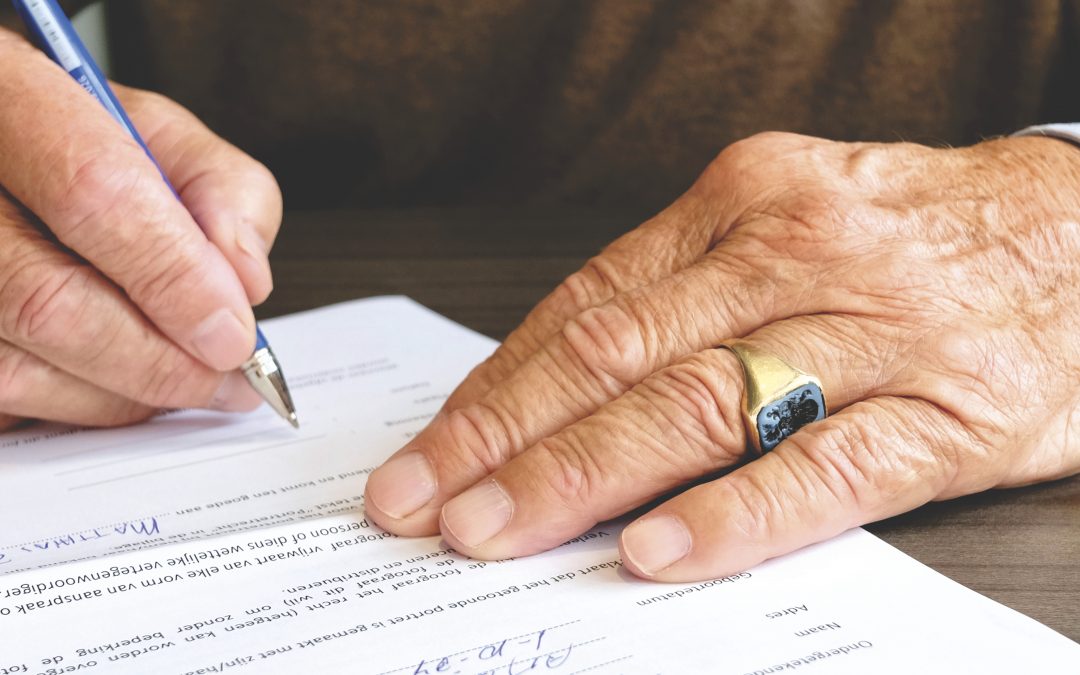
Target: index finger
[
  {"x": 234, "y": 199},
  {"x": 68, "y": 161}
]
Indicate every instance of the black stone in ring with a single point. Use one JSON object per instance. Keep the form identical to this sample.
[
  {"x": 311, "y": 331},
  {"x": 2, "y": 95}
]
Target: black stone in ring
[
  {"x": 789, "y": 413},
  {"x": 778, "y": 399}
]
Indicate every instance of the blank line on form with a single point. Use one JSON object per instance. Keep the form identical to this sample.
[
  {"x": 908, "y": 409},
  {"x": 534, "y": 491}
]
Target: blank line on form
[
  {"x": 246, "y": 435},
  {"x": 200, "y": 461}
]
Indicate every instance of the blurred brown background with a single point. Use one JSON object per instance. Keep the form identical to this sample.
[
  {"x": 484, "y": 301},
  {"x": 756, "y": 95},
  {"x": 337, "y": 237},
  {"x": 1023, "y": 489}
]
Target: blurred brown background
[{"x": 608, "y": 103}]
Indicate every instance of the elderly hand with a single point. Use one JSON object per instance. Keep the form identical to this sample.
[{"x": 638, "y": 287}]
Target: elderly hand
[
  {"x": 935, "y": 293},
  {"x": 115, "y": 299}
]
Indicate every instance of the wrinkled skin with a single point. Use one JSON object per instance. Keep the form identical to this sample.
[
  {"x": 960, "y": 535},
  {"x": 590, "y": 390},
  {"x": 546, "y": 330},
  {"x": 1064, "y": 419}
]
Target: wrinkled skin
[
  {"x": 117, "y": 300},
  {"x": 935, "y": 292}
]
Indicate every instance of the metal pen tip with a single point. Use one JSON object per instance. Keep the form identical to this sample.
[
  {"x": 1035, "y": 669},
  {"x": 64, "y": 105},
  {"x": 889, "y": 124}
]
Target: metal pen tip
[{"x": 264, "y": 374}]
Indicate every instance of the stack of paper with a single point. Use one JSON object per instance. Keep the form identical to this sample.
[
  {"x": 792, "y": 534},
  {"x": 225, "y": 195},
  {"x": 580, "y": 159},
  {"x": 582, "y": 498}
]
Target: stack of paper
[{"x": 206, "y": 543}]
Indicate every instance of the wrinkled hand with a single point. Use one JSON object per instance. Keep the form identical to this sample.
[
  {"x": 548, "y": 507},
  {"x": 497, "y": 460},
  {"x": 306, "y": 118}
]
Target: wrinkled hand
[
  {"x": 115, "y": 299},
  {"x": 935, "y": 292}
]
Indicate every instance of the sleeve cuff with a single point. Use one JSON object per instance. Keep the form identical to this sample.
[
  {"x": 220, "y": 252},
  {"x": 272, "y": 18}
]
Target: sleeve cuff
[{"x": 1066, "y": 132}]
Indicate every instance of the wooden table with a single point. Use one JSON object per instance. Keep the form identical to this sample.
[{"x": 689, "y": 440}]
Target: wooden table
[{"x": 485, "y": 269}]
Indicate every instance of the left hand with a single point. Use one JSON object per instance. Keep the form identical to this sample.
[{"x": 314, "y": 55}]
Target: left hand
[{"x": 935, "y": 293}]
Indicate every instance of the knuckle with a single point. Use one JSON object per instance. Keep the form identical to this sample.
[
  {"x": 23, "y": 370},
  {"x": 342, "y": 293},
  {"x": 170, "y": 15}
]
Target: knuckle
[
  {"x": 977, "y": 371},
  {"x": 704, "y": 408},
  {"x": 261, "y": 208},
  {"x": 99, "y": 185},
  {"x": 977, "y": 361},
  {"x": 113, "y": 210},
  {"x": 864, "y": 162},
  {"x": 875, "y": 459},
  {"x": 479, "y": 433},
  {"x": 609, "y": 343},
  {"x": 754, "y": 505},
  {"x": 595, "y": 283},
  {"x": 40, "y": 303},
  {"x": 838, "y": 462},
  {"x": 171, "y": 271},
  {"x": 568, "y": 473},
  {"x": 749, "y": 152},
  {"x": 869, "y": 164},
  {"x": 759, "y": 171},
  {"x": 781, "y": 139}
]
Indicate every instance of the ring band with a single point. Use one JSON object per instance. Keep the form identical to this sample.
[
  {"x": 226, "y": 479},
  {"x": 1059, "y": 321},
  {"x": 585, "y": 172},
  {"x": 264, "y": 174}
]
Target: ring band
[{"x": 778, "y": 399}]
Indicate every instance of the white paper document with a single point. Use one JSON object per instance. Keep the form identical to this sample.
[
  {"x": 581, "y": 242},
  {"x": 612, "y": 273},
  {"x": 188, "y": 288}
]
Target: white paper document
[
  {"x": 204, "y": 543},
  {"x": 365, "y": 377}
]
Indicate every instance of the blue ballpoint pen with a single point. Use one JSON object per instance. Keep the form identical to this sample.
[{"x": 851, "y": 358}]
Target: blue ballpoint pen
[{"x": 56, "y": 37}]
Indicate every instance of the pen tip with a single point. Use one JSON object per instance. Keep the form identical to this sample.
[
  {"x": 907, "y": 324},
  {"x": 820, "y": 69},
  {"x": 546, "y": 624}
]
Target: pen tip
[{"x": 294, "y": 421}]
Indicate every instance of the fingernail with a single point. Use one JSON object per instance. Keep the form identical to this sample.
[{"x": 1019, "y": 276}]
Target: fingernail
[
  {"x": 655, "y": 543},
  {"x": 235, "y": 395},
  {"x": 478, "y": 514},
  {"x": 222, "y": 340},
  {"x": 401, "y": 486}
]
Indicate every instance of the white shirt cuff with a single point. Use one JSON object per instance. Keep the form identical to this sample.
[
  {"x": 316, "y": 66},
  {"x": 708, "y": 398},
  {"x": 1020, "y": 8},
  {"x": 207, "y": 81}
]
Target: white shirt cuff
[{"x": 1066, "y": 132}]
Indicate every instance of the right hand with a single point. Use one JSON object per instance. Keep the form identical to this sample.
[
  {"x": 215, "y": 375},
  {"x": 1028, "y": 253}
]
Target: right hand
[{"x": 116, "y": 300}]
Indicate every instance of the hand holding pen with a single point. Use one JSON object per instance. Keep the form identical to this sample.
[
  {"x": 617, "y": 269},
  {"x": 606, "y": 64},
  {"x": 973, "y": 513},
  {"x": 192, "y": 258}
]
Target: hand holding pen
[{"x": 116, "y": 299}]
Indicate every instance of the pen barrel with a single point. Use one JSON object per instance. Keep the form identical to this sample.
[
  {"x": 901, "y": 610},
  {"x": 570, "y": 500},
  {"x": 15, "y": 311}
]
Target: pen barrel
[{"x": 54, "y": 34}]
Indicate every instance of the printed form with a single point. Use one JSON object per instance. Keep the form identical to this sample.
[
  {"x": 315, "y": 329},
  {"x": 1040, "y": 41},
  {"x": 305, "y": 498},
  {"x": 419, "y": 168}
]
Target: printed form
[{"x": 205, "y": 543}]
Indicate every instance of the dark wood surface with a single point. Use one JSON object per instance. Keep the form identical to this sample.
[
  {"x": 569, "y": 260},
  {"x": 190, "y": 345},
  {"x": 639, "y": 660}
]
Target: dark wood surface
[{"x": 486, "y": 269}]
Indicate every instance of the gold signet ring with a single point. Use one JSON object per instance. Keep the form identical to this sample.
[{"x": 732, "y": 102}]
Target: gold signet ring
[{"x": 778, "y": 399}]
